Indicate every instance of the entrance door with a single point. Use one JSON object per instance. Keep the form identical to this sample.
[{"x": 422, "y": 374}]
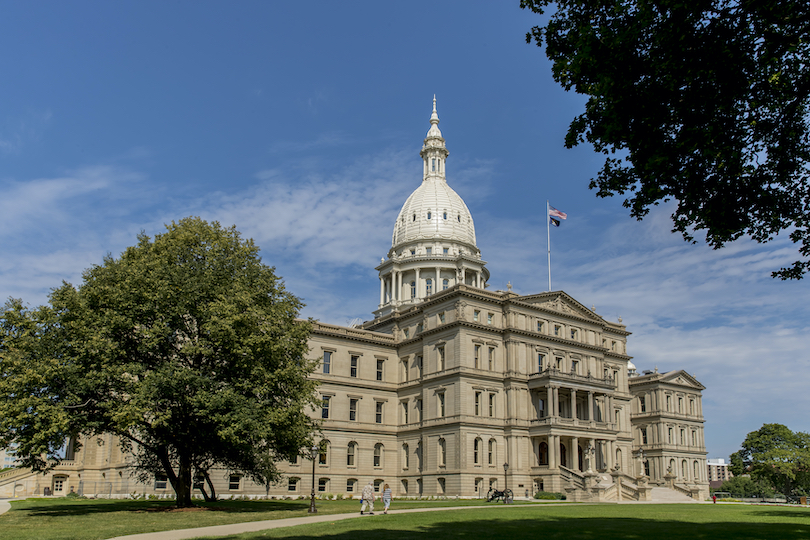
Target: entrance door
[{"x": 59, "y": 485}]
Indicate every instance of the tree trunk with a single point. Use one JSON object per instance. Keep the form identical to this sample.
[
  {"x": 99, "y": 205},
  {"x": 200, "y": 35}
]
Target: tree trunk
[
  {"x": 210, "y": 486},
  {"x": 183, "y": 487}
]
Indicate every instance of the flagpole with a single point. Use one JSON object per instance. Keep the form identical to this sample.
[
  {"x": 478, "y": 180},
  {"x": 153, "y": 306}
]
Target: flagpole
[{"x": 548, "y": 243}]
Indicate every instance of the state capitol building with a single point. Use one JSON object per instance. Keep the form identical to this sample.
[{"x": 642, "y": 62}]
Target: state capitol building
[{"x": 452, "y": 388}]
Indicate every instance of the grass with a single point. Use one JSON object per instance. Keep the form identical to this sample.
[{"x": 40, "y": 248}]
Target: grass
[
  {"x": 581, "y": 522},
  {"x": 85, "y": 519},
  {"x": 79, "y": 519}
]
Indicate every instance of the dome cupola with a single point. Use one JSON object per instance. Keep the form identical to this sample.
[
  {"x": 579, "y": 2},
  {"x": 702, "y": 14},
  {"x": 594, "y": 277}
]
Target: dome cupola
[{"x": 433, "y": 243}]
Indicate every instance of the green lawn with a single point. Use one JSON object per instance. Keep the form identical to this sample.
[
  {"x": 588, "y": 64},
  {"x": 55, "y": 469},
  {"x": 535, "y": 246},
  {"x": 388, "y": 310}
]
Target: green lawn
[
  {"x": 77, "y": 519},
  {"x": 84, "y": 519},
  {"x": 580, "y": 522}
]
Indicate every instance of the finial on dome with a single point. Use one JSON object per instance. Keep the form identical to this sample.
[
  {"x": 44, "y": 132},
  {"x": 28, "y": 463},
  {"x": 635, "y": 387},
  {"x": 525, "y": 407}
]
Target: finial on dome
[{"x": 434, "y": 117}]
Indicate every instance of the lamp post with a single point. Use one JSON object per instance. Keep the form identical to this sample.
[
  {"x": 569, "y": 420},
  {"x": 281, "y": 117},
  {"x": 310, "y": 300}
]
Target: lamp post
[
  {"x": 505, "y": 483},
  {"x": 312, "y": 509}
]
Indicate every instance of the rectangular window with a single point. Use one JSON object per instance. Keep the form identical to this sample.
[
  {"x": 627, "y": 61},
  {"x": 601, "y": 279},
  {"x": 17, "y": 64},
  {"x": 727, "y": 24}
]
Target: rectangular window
[
  {"x": 292, "y": 484},
  {"x": 379, "y": 412},
  {"x": 353, "y": 410},
  {"x": 322, "y": 485},
  {"x": 322, "y": 456},
  {"x": 419, "y": 409},
  {"x": 491, "y": 358},
  {"x": 539, "y": 326},
  {"x": 477, "y": 356},
  {"x": 644, "y": 435},
  {"x": 441, "y": 358},
  {"x": 476, "y": 315},
  {"x": 429, "y": 251},
  {"x": 234, "y": 481},
  {"x": 489, "y": 318},
  {"x": 557, "y": 329},
  {"x": 478, "y": 404},
  {"x": 441, "y": 317},
  {"x": 160, "y": 482},
  {"x": 405, "y": 370},
  {"x": 541, "y": 360},
  {"x": 575, "y": 366},
  {"x": 642, "y": 403},
  {"x": 350, "y": 485},
  {"x": 405, "y": 412},
  {"x": 325, "y": 407},
  {"x": 327, "y": 361},
  {"x": 380, "y": 364},
  {"x": 492, "y": 404},
  {"x": 573, "y": 334},
  {"x": 441, "y": 404},
  {"x": 419, "y": 365},
  {"x": 407, "y": 333},
  {"x": 353, "y": 370}
]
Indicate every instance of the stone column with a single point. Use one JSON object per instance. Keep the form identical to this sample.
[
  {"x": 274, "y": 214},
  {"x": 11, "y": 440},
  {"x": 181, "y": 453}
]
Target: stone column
[
  {"x": 556, "y": 401},
  {"x": 398, "y": 290},
  {"x": 573, "y": 403},
  {"x": 438, "y": 280},
  {"x": 382, "y": 290},
  {"x": 590, "y": 406},
  {"x": 553, "y": 451},
  {"x": 575, "y": 454},
  {"x": 609, "y": 408},
  {"x": 549, "y": 401},
  {"x": 418, "y": 287}
]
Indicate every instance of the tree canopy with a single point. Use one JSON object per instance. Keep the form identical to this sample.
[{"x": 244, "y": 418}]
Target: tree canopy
[
  {"x": 776, "y": 455},
  {"x": 187, "y": 347},
  {"x": 704, "y": 103}
]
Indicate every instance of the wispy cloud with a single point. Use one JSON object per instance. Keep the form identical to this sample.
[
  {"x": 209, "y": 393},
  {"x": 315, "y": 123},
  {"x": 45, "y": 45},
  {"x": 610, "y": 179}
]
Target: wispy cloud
[{"x": 18, "y": 132}]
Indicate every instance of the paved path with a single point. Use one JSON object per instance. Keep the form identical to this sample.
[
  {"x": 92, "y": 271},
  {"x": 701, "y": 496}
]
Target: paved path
[{"x": 4, "y": 506}]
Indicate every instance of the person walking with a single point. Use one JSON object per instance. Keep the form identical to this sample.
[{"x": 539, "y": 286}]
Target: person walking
[
  {"x": 386, "y": 497},
  {"x": 367, "y": 499}
]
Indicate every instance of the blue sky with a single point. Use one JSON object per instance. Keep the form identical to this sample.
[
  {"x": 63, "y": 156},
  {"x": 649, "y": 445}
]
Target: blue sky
[{"x": 301, "y": 124}]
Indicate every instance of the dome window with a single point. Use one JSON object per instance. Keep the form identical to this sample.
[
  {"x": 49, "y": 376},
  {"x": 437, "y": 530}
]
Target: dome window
[
  {"x": 429, "y": 286},
  {"x": 413, "y": 289},
  {"x": 428, "y": 215},
  {"x": 434, "y": 164},
  {"x": 459, "y": 218},
  {"x": 413, "y": 252},
  {"x": 445, "y": 215},
  {"x": 414, "y": 218}
]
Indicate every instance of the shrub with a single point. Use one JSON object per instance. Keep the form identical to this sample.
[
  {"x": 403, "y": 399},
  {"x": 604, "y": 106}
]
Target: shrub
[{"x": 549, "y": 496}]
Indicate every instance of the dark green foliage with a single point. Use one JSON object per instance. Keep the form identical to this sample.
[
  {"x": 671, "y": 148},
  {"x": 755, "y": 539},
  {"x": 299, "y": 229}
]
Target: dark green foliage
[
  {"x": 549, "y": 496},
  {"x": 704, "y": 103},
  {"x": 187, "y": 347},
  {"x": 776, "y": 456},
  {"x": 745, "y": 486}
]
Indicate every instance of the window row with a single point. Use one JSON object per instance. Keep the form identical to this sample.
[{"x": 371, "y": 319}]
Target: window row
[
  {"x": 353, "y": 416},
  {"x": 354, "y": 365}
]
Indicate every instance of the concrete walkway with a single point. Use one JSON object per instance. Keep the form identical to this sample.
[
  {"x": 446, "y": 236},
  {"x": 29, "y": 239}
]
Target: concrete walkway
[
  {"x": 4, "y": 507},
  {"x": 253, "y": 526}
]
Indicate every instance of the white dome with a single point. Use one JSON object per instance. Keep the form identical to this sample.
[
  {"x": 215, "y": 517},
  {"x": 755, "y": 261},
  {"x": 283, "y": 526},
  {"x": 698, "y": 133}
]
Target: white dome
[{"x": 434, "y": 211}]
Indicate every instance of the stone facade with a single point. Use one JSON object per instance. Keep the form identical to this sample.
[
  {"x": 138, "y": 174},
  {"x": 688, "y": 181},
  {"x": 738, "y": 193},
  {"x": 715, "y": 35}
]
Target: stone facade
[{"x": 452, "y": 389}]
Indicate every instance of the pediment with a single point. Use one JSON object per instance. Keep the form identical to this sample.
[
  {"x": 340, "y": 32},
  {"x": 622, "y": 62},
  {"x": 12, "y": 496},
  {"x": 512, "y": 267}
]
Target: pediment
[
  {"x": 682, "y": 378},
  {"x": 561, "y": 303}
]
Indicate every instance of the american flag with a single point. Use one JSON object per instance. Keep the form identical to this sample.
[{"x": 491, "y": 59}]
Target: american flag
[{"x": 554, "y": 213}]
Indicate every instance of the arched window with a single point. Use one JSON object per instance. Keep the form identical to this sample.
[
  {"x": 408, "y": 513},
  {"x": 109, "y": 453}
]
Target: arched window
[
  {"x": 684, "y": 470},
  {"x": 323, "y": 455},
  {"x": 414, "y": 217},
  {"x": 429, "y": 215},
  {"x": 459, "y": 218},
  {"x": 378, "y": 454},
  {"x": 491, "y": 452},
  {"x": 619, "y": 457},
  {"x": 542, "y": 454},
  {"x": 413, "y": 289},
  {"x": 563, "y": 456},
  {"x": 429, "y": 286},
  {"x": 477, "y": 451},
  {"x": 695, "y": 471},
  {"x": 442, "y": 453},
  {"x": 406, "y": 458},
  {"x": 445, "y": 284},
  {"x": 672, "y": 468},
  {"x": 445, "y": 215},
  {"x": 351, "y": 453},
  {"x": 419, "y": 455}
]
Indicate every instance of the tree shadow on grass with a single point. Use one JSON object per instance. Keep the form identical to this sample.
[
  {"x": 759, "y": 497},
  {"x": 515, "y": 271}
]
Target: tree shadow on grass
[
  {"x": 84, "y": 507},
  {"x": 543, "y": 528}
]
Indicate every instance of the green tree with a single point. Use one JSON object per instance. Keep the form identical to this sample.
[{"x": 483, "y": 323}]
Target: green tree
[
  {"x": 704, "y": 103},
  {"x": 187, "y": 347},
  {"x": 745, "y": 486},
  {"x": 777, "y": 456}
]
